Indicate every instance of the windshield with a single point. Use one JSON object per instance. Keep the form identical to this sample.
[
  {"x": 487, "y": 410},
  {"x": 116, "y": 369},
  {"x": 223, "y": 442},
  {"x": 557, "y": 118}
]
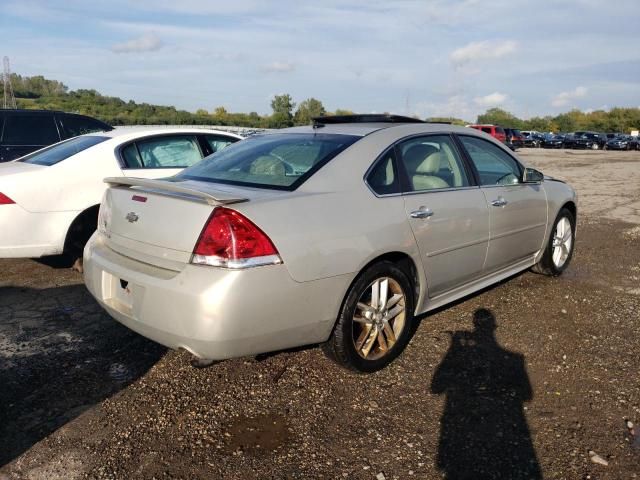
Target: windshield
[
  {"x": 61, "y": 151},
  {"x": 280, "y": 160}
]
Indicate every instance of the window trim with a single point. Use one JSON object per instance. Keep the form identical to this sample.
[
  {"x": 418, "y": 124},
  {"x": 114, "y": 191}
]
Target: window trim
[
  {"x": 472, "y": 165},
  {"x": 123, "y": 163}
]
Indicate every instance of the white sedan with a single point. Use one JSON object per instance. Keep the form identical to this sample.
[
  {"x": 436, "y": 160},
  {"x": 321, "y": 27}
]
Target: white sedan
[{"x": 49, "y": 199}]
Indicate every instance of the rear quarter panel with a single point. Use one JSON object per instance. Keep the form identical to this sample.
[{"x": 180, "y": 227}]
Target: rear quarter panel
[{"x": 73, "y": 184}]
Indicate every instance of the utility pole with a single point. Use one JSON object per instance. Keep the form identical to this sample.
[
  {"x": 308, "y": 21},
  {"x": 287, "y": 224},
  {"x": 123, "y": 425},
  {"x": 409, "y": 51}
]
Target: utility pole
[{"x": 9, "y": 99}]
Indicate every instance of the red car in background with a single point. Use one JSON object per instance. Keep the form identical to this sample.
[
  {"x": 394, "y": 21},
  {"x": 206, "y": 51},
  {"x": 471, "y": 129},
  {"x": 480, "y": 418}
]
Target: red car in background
[{"x": 494, "y": 130}]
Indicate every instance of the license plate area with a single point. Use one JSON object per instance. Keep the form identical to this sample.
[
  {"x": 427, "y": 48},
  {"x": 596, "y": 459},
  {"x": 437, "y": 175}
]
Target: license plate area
[{"x": 119, "y": 293}]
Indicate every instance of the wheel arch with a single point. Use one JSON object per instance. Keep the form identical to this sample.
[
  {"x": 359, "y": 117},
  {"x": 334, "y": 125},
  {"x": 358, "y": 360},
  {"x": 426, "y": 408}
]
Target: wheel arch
[
  {"x": 84, "y": 223},
  {"x": 402, "y": 260},
  {"x": 571, "y": 206}
]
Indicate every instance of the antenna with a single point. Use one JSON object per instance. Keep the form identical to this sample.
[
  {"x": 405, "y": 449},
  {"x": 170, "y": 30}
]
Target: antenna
[{"x": 9, "y": 99}]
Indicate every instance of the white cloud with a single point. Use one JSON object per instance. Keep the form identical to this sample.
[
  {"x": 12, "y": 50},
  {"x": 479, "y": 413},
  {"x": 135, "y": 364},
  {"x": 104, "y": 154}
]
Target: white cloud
[
  {"x": 148, "y": 42},
  {"x": 484, "y": 50},
  {"x": 564, "y": 98},
  {"x": 453, "y": 106},
  {"x": 491, "y": 100},
  {"x": 279, "y": 67}
]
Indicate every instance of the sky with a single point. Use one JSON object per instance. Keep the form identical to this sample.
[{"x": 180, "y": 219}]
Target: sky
[{"x": 426, "y": 58}]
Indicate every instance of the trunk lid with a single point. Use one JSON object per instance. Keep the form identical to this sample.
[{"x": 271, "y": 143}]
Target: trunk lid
[{"x": 159, "y": 222}]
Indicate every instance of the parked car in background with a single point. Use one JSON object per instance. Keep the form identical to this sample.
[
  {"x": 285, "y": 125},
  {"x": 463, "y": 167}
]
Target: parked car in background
[
  {"x": 553, "y": 141},
  {"x": 49, "y": 199},
  {"x": 622, "y": 142},
  {"x": 341, "y": 232},
  {"x": 515, "y": 139},
  {"x": 495, "y": 131},
  {"x": 589, "y": 140},
  {"x": 533, "y": 140},
  {"x": 25, "y": 131}
]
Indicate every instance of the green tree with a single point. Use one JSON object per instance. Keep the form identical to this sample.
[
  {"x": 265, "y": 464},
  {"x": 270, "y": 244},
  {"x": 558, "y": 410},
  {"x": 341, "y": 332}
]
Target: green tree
[
  {"x": 282, "y": 106},
  {"x": 501, "y": 117},
  {"x": 343, "y": 111},
  {"x": 307, "y": 110}
]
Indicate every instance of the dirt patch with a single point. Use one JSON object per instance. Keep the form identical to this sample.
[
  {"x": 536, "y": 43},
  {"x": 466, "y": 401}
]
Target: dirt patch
[{"x": 261, "y": 434}]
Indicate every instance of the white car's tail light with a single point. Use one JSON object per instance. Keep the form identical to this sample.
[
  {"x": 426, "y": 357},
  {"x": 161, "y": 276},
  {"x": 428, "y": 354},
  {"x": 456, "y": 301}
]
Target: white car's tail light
[
  {"x": 231, "y": 240},
  {"x": 4, "y": 200}
]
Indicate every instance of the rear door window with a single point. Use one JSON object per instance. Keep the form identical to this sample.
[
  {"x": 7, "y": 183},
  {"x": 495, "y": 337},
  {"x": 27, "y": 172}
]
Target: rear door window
[
  {"x": 166, "y": 151},
  {"x": 33, "y": 130},
  {"x": 432, "y": 162}
]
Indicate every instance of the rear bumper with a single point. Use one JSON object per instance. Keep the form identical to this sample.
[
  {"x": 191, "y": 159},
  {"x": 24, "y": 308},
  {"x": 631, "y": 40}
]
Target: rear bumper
[
  {"x": 214, "y": 313},
  {"x": 25, "y": 234}
]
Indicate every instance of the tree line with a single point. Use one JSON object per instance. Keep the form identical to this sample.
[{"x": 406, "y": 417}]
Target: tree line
[{"x": 39, "y": 92}]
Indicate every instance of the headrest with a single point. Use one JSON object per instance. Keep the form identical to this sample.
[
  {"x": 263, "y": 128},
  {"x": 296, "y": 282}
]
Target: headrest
[
  {"x": 267, "y": 165},
  {"x": 431, "y": 164},
  {"x": 415, "y": 156}
]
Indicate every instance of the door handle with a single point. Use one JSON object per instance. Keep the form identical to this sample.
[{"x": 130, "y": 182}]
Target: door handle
[
  {"x": 422, "y": 212},
  {"x": 499, "y": 202}
]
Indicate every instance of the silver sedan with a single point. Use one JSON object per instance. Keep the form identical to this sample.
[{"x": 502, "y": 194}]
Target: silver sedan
[{"x": 338, "y": 233}]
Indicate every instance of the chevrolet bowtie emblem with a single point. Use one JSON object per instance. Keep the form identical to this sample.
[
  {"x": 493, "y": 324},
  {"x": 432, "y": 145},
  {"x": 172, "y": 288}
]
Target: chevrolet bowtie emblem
[{"x": 132, "y": 217}]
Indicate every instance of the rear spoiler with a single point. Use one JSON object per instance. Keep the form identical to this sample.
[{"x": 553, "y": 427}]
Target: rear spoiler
[{"x": 162, "y": 187}]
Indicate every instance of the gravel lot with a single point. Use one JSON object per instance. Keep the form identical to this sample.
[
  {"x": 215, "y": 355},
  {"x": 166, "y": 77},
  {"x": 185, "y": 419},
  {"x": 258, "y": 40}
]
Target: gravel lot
[{"x": 82, "y": 397}]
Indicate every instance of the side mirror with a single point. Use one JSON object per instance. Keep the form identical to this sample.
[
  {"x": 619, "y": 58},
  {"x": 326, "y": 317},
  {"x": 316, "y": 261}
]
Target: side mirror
[{"x": 531, "y": 175}]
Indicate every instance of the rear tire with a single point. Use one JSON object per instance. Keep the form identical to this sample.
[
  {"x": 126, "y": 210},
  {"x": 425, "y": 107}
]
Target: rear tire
[
  {"x": 78, "y": 235},
  {"x": 375, "y": 321},
  {"x": 559, "y": 249}
]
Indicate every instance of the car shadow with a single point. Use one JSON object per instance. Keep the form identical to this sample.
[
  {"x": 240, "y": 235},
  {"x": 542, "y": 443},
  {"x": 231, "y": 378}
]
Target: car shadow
[
  {"x": 60, "y": 354},
  {"x": 483, "y": 429}
]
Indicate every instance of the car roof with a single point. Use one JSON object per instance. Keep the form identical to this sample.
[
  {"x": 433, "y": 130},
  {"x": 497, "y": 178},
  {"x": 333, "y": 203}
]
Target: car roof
[
  {"x": 128, "y": 133},
  {"x": 363, "y": 129}
]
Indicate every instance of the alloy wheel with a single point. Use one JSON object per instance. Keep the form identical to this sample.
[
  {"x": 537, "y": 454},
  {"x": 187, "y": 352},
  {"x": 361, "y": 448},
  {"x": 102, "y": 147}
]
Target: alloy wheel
[
  {"x": 562, "y": 242},
  {"x": 379, "y": 318}
]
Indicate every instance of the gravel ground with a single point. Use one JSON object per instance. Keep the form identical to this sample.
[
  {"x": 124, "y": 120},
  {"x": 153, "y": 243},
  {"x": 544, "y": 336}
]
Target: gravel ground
[{"x": 556, "y": 379}]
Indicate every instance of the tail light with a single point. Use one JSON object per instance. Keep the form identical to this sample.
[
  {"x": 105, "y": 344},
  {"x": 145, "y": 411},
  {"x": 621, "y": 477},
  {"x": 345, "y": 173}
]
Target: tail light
[
  {"x": 4, "y": 200},
  {"x": 231, "y": 240}
]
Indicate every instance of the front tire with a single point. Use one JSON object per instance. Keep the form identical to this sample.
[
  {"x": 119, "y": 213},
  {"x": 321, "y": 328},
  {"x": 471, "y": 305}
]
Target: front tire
[
  {"x": 559, "y": 250},
  {"x": 375, "y": 321}
]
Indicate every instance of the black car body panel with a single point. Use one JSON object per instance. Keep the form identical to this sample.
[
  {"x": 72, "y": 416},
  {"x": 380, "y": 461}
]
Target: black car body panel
[
  {"x": 25, "y": 131},
  {"x": 588, "y": 140},
  {"x": 623, "y": 142}
]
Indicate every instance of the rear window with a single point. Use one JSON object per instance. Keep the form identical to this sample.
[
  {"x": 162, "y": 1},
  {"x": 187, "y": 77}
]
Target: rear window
[
  {"x": 63, "y": 150},
  {"x": 278, "y": 161}
]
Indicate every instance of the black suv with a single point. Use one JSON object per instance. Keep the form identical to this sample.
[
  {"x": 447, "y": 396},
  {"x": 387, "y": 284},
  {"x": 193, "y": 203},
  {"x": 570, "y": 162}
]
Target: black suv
[{"x": 24, "y": 131}]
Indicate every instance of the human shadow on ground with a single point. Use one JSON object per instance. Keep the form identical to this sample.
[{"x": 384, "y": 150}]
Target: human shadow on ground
[
  {"x": 60, "y": 354},
  {"x": 483, "y": 430}
]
